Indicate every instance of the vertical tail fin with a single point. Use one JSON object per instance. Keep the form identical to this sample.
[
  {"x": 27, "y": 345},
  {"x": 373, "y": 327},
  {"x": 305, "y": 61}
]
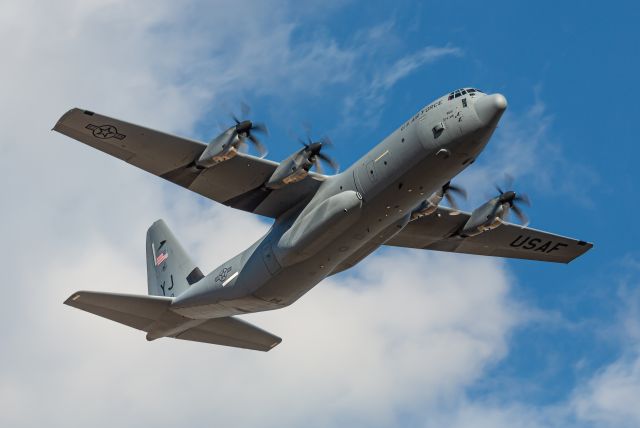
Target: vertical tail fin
[{"x": 170, "y": 271}]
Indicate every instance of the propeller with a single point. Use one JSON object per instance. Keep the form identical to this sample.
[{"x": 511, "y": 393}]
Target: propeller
[
  {"x": 513, "y": 199},
  {"x": 245, "y": 130},
  {"x": 313, "y": 152},
  {"x": 448, "y": 190}
]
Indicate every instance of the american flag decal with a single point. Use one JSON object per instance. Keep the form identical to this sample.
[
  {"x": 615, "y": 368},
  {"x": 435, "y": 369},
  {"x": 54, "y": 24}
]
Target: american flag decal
[{"x": 161, "y": 257}]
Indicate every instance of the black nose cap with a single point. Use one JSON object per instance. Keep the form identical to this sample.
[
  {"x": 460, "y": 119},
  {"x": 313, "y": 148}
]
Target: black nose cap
[
  {"x": 490, "y": 108},
  {"x": 507, "y": 196}
]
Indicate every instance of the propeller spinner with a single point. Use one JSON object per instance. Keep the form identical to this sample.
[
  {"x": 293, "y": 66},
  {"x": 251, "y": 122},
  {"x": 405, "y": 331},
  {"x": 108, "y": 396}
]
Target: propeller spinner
[
  {"x": 245, "y": 129},
  {"x": 313, "y": 152},
  {"x": 512, "y": 200}
]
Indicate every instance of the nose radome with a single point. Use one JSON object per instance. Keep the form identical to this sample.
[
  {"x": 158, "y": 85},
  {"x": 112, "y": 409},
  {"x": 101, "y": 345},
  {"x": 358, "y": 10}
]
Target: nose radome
[{"x": 490, "y": 107}]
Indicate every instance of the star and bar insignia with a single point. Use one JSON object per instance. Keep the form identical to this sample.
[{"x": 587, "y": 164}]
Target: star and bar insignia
[{"x": 105, "y": 131}]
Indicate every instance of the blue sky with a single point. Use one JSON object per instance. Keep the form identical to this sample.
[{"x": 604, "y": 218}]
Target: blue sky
[{"x": 454, "y": 341}]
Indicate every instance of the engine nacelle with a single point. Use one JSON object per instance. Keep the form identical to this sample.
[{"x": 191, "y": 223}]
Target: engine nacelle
[
  {"x": 220, "y": 149},
  {"x": 486, "y": 217},
  {"x": 291, "y": 170},
  {"x": 428, "y": 207}
]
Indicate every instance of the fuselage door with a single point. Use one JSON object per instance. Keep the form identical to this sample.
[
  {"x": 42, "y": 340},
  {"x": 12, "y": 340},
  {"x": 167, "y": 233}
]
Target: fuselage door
[{"x": 269, "y": 258}]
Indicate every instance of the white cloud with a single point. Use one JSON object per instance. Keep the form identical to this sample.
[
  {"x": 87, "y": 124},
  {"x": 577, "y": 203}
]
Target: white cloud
[
  {"x": 406, "y": 65},
  {"x": 610, "y": 396},
  {"x": 369, "y": 96}
]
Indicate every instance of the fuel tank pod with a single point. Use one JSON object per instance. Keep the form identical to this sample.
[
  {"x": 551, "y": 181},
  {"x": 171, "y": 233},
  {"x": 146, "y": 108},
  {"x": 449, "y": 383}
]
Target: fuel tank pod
[{"x": 312, "y": 231}]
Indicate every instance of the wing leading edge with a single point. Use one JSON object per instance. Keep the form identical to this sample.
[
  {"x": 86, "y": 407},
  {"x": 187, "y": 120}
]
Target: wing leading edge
[
  {"x": 434, "y": 232},
  {"x": 237, "y": 183}
]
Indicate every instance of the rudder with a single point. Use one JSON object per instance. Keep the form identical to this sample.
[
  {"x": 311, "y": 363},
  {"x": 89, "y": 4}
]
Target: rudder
[{"x": 170, "y": 271}]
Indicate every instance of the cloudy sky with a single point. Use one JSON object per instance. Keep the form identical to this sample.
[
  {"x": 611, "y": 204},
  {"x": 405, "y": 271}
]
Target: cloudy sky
[{"x": 407, "y": 338}]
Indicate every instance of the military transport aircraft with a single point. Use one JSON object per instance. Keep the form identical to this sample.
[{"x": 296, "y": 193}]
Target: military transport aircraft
[{"x": 323, "y": 224}]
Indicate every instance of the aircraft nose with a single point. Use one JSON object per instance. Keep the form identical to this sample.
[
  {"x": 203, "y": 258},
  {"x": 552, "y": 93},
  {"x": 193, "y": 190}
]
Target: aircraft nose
[{"x": 490, "y": 108}]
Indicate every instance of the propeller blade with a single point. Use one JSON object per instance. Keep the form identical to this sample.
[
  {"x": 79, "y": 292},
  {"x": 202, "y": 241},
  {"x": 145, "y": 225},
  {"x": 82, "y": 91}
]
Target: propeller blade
[
  {"x": 307, "y": 128},
  {"x": 260, "y": 127},
  {"x": 457, "y": 190},
  {"x": 521, "y": 216},
  {"x": 326, "y": 142},
  {"x": 522, "y": 197},
  {"x": 447, "y": 192},
  {"x": 508, "y": 180},
  {"x": 333, "y": 164},
  {"x": 258, "y": 145},
  {"x": 242, "y": 146},
  {"x": 451, "y": 201},
  {"x": 318, "y": 165},
  {"x": 245, "y": 109}
]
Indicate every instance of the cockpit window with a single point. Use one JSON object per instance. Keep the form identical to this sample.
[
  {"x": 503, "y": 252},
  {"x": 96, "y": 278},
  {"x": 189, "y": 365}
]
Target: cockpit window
[{"x": 459, "y": 92}]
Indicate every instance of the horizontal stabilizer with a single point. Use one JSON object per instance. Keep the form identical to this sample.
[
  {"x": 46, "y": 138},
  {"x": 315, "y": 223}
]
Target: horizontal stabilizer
[
  {"x": 230, "y": 331},
  {"x": 129, "y": 309},
  {"x": 142, "y": 312}
]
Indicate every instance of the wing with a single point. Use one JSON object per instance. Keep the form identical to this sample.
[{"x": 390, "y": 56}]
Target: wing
[
  {"x": 237, "y": 183},
  {"x": 434, "y": 232}
]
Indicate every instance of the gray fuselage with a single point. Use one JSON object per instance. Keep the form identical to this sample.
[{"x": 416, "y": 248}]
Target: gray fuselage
[{"x": 352, "y": 213}]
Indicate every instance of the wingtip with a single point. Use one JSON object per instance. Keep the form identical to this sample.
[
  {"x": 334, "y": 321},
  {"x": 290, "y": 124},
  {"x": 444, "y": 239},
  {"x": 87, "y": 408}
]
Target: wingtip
[
  {"x": 586, "y": 247},
  {"x": 62, "y": 118},
  {"x": 73, "y": 298},
  {"x": 57, "y": 127},
  {"x": 274, "y": 344}
]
